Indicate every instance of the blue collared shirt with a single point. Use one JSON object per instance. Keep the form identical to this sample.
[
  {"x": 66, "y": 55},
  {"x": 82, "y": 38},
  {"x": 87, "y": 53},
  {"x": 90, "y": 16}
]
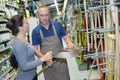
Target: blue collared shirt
[{"x": 36, "y": 38}]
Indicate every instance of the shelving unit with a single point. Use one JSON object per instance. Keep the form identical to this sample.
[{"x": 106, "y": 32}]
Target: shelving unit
[
  {"x": 99, "y": 20},
  {"x": 6, "y": 11}
]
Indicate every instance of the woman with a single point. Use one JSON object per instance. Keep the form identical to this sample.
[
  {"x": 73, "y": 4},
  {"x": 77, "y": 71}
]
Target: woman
[{"x": 23, "y": 51}]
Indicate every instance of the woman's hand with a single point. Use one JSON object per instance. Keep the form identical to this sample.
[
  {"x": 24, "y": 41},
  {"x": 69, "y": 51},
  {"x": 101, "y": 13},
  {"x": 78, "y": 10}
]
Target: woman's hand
[{"x": 47, "y": 56}]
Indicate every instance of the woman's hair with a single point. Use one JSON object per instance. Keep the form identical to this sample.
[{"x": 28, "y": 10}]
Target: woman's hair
[{"x": 15, "y": 22}]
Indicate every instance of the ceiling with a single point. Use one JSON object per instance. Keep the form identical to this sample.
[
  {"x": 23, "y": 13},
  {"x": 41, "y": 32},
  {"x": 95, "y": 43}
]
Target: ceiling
[{"x": 51, "y": 5}]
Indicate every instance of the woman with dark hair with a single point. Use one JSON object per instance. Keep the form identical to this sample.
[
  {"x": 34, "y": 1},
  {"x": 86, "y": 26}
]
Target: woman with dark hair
[{"x": 23, "y": 51}]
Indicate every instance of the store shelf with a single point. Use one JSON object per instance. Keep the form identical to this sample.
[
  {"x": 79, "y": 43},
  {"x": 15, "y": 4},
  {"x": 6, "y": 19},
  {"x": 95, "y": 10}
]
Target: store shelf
[
  {"x": 6, "y": 12},
  {"x": 1, "y": 50},
  {"x": 4, "y": 41},
  {"x": 5, "y": 73},
  {"x": 12, "y": 76},
  {"x": 5, "y": 59},
  {"x": 2, "y": 11},
  {"x": 6, "y": 70},
  {"x": 5, "y": 30},
  {"x": 102, "y": 6},
  {"x": 12, "y": 6},
  {"x": 3, "y": 21}
]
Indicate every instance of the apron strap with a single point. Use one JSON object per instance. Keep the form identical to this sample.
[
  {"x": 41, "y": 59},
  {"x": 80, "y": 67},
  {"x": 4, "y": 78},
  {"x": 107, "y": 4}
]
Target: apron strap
[
  {"x": 41, "y": 34},
  {"x": 54, "y": 30}
]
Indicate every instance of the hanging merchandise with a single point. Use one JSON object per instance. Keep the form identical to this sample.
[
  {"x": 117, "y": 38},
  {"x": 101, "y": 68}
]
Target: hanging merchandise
[
  {"x": 22, "y": 8},
  {"x": 70, "y": 23},
  {"x": 81, "y": 28},
  {"x": 32, "y": 7},
  {"x": 81, "y": 35},
  {"x": 97, "y": 29},
  {"x": 11, "y": 8}
]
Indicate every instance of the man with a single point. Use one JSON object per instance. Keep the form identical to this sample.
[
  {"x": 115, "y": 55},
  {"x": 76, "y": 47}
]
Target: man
[{"x": 48, "y": 34}]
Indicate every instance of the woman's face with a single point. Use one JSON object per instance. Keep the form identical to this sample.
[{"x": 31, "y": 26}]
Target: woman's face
[{"x": 25, "y": 25}]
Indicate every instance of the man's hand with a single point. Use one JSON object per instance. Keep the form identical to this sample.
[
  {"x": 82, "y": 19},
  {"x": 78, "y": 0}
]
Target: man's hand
[
  {"x": 69, "y": 42},
  {"x": 70, "y": 45},
  {"x": 49, "y": 62}
]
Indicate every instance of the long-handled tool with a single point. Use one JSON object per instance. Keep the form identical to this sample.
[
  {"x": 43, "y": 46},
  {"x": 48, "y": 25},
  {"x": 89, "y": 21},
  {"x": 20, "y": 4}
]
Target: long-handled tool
[{"x": 63, "y": 54}]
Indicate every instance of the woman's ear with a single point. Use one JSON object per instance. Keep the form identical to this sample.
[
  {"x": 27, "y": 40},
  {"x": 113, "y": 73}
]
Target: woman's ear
[{"x": 20, "y": 28}]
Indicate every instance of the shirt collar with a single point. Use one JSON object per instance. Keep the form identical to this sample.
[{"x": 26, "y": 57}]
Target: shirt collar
[{"x": 43, "y": 27}]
